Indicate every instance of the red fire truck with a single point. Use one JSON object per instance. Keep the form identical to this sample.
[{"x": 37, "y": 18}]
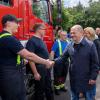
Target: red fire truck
[{"x": 31, "y": 11}]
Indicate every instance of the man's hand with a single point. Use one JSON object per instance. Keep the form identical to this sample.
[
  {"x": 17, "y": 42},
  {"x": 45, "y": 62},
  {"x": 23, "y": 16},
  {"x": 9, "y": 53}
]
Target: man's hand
[
  {"x": 92, "y": 82},
  {"x": 81, "y": 94},
  {"x": 49, "y": 63},
  {"x": 37, "y": 76},
  {"x": 25, "y": 61}
]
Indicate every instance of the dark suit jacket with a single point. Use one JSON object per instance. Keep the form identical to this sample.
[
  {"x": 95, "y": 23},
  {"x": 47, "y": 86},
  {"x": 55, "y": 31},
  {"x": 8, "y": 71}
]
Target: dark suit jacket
[
  {"x": 83, "y": 64},
  {"x": 97, "y": 43}
]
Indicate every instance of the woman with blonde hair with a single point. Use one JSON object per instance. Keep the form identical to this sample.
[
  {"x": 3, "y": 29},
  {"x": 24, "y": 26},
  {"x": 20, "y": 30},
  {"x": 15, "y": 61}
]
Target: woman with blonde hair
[{"x": 90, "y": 34}]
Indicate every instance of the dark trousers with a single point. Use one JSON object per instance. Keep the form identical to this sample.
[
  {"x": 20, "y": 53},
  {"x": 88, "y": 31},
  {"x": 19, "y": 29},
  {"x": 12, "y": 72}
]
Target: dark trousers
[
  {"x": 60, "y": 73},
  {"x": 12, "y": 86},
  {"x": 43, "y": 88}
]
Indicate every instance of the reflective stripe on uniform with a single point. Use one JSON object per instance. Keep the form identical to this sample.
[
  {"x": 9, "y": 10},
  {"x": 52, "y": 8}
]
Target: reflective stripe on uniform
[
  {"x": 60, "y": 47},
  {"x": 18, "y": 56},
  {"x": 57, "y": 87},
  {"x": 62, "y": 85},
  {"x": 18, "y": 60},
  {"x": 5, "y": 35}
]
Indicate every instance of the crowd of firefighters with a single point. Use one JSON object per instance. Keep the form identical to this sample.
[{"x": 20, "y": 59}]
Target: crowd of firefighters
[{"x": 76, "y": 52}]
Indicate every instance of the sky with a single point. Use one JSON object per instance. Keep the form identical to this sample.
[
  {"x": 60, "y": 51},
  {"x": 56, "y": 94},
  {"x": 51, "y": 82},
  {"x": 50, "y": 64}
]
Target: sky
[{"x": 71, "y": 3}]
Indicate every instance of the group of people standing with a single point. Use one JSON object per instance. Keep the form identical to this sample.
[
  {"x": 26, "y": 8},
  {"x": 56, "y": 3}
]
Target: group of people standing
[
  {"x": 12, "y": 85},
  {"x": 81, "y": 56},
  {"x": 84, "y": 54}
]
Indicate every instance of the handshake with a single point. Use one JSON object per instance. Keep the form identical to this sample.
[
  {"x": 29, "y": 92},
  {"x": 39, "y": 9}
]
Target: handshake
[{"x": 49, "y": 63}]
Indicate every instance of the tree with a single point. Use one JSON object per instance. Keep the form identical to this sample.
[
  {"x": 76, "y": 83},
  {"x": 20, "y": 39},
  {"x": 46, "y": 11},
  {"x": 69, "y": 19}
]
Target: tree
[
  {"x": 92, "y": 15},
  {"x": 65, "y": 16},
  {"x": 85, "y": 16}
]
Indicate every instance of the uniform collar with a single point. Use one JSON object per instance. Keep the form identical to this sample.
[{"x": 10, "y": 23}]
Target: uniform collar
[
  {"x": 3, "y": 32},
  {"x": 82, "y": 41}
]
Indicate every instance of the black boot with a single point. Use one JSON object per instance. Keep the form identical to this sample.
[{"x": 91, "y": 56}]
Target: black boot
[
  {"x": 57, "y": 92},
  {"x": 63, "y": 89}
]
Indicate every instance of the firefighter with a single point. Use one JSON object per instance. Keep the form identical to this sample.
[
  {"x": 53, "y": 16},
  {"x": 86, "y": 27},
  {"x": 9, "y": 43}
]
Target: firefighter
[
  {"x": 60, "y": 72},
  {"x": 42, "y": 75},
  {"x": 11, "y": 75}
]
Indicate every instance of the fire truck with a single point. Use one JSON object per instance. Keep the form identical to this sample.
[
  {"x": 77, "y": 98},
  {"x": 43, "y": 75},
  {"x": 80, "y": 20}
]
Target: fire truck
[{"x": 31, "y": 12}]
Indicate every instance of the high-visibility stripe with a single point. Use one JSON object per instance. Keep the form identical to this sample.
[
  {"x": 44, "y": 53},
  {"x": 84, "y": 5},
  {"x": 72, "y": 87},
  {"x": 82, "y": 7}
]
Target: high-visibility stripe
[
  {"x": 57, "y": 87},
  {"x": 62, "y": 85},
  {"x": 18, "y": 60},
  {"x": 5, "y": 35},
  {"x": 18, "y": 56},
  {"x": 60, "y": 47}
]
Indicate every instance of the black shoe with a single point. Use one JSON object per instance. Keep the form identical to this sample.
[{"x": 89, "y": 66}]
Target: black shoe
[
  {"x": 63, "y": 89},
  {"x": 57, "y": 92}
]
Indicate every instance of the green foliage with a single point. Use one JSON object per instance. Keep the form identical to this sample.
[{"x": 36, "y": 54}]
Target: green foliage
[
  {"x": 65, "y": 16},
  {"x": 92, "y": 15},
  {"x": 85, "y": 16}
]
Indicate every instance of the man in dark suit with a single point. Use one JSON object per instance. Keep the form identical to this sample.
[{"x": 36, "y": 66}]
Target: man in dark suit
[{"x": 83, "y": 66}]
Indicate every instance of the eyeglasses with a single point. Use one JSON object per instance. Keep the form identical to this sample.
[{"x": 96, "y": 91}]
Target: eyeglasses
[
  {"x": 64, "y": 34},
  {"x": 43, "y": 28}
]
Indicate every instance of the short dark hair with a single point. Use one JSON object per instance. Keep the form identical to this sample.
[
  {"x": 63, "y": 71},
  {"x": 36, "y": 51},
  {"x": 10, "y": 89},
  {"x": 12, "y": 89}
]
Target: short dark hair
[
  {"x": 37, "y": 26},
  {"x": 9, "y": 17}
]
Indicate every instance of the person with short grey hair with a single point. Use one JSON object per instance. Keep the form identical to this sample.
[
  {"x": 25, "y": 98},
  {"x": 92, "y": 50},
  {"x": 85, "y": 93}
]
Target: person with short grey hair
[
  {"x": 83, "y": 68},
  {"x": 60, "y": 71}
]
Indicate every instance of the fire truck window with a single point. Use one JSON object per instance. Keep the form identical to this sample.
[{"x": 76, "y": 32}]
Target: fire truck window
[
  {"x": 6, "y": 2},
  {"x": 40, "y": 9}
]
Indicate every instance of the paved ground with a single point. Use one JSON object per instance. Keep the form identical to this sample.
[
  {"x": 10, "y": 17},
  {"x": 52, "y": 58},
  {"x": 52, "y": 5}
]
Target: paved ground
[
  {"x": 98, "y": 88},
  {"x": 63, "y": 96},
  {"x": 66, "y": 95}
]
